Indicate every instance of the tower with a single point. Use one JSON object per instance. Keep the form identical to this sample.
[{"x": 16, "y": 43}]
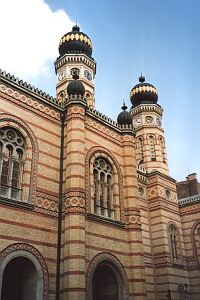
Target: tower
[
  {"x": 147, "y": 120},
  {"x": 75, "y": 49}
]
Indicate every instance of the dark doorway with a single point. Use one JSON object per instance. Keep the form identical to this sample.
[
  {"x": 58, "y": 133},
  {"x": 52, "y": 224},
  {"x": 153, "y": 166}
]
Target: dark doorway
[
  {"x": 19, "y": 280},
  {"x": 104, "y": 283}
]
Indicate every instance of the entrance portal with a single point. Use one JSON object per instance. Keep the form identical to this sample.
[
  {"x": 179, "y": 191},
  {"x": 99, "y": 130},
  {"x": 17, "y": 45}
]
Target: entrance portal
[
  {"x": 19, "y": 280},
  {"x": 105, "y": 283}
]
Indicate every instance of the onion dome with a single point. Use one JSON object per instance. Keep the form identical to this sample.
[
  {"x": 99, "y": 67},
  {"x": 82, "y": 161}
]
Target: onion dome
[
  {"x": 143, "y": 93},
  {"x": 75, "y": 87},
  {"x": 124, "y": 118},
  {"x": 75, "y": 42}
]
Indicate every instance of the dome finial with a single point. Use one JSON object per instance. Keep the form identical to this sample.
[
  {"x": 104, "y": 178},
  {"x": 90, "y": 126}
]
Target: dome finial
[
  {"x": 124, "y": 107},
  {"x": 76, "y": 27},
  {"x": 141, "y": 78},
  {"x": 75, "y": 76}
]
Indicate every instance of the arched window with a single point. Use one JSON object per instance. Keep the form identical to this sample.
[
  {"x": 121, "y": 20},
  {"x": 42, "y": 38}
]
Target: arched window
[
  {"x": 162, "y": 145},
  {"x": 11, "y": 162},
  {"x": 103, "y": 188},
  {"x": 197, "y": 242},
  {"x": 152, "y": 147},
  {"x": 174, "y": 243}
]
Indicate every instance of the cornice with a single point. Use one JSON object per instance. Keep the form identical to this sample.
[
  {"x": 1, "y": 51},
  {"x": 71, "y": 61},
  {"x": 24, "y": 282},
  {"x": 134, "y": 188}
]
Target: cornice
[
  {"x": 75, "y": 58},
  {"x": 147, "y": 108},
  {"x": 32, "y": 91}
]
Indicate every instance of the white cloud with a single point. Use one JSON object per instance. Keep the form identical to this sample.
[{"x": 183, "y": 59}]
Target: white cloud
[{"x": 30, "y": 32}]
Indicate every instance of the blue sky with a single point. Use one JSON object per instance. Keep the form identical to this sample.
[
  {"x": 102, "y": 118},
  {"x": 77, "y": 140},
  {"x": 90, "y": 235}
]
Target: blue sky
[{"x": 159, "y": 38}]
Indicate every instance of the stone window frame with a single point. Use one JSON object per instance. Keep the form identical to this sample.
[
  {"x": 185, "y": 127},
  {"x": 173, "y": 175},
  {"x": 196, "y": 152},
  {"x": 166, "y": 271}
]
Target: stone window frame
[
  {"x": 28, "y": 193},
  {"x": 118, "y": 202},
  {"x": 114, "y": 263},
  {"x": 31, "y": 253}
]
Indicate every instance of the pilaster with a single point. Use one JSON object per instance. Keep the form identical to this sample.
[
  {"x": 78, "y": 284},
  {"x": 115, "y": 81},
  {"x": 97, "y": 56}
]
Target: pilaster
[
  {"x": 133, "y": 218},
  {"x": 74, "y": 202}
]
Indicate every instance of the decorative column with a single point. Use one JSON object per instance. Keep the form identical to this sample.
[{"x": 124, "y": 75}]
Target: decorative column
[
  {"x": 74, "y": 201},
  {"x": 137, "y": 288}
]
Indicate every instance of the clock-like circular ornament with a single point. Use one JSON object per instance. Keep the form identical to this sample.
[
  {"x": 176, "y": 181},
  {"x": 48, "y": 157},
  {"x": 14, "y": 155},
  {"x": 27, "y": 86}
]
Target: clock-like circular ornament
[
  {"x": 61, "y": 74},
  {"x": 149, "y": 119},
  {"x": 87, "y": 75},
  {"x": 159, "y": 121},
  {"x": 138, "y": 122}
]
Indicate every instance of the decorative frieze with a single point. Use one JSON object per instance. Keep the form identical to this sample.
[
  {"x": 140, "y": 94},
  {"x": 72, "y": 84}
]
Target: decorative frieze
[
  {"x": 13, "y": 96},
  {"x": 73, "y": 202}
]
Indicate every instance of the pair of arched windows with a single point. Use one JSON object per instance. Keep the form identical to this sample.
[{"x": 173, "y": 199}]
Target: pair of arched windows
[{"x": 12, "y": 152}]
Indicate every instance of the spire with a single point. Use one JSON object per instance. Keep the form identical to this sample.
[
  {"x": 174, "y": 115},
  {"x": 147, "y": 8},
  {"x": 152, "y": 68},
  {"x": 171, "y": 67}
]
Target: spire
[{"x": 141, "y": 78}]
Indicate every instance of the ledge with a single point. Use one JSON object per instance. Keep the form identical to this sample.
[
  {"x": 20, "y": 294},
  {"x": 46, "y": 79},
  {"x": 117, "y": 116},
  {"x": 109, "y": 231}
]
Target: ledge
[
  {"x": 16, "y": 203},
  {"x": 105, "y": 220}
]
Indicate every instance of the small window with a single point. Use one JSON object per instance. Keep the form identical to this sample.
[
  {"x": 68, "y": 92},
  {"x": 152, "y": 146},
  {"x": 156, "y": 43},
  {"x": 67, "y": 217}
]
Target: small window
[
  {"x": 141, "y": 191},
  {"x": 168, "y": 194}
]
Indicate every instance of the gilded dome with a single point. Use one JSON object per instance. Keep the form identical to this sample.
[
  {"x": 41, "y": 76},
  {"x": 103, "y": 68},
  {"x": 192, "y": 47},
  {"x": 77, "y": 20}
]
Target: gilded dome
[
  {"x": 143, "y": 93},
  {"x": 75, "y": 42}
]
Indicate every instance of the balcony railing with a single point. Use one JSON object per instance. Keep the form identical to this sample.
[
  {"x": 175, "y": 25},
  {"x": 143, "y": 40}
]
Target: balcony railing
[{"x": 188, "y": 200}]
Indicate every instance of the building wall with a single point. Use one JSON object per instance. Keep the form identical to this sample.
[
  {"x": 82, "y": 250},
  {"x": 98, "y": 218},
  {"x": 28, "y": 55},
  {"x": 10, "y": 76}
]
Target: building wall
[{"x": 136, "y": 243}]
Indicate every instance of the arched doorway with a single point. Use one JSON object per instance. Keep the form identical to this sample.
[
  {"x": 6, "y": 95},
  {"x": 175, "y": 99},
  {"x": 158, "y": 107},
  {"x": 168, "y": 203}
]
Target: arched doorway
[
  {"x": 22, "y": 262},
  {"x": 105, "y": 284},
  {"x": 106, "y": 279},
  {"x": 19, "y": 280}
]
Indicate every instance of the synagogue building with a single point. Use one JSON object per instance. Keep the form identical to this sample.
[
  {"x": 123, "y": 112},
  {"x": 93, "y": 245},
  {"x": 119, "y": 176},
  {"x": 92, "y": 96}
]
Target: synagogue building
[{"x": 88, "y": 209}]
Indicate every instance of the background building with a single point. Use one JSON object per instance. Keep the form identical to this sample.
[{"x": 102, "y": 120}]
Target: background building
[{"x": 88, "y": 209}]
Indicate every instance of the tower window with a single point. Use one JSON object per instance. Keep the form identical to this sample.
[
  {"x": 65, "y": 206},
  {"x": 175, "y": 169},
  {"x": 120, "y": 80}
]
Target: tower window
[
  {"x": 140, "y": 148},
  {"x": 11, "y": 163},
  {"x": 103, "y": 188},
  {"x": 162, "y": 145},
  {"x": 152, "y": 147}
]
